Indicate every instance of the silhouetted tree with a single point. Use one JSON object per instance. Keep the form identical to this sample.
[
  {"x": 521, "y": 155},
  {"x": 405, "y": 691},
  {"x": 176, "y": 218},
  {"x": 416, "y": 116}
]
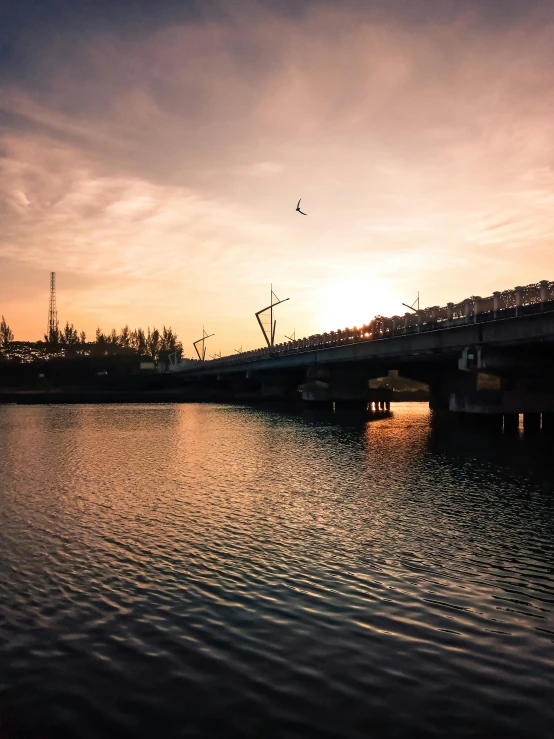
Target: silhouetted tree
[
  {"x": 158, "y": 345},
  {"x": 124, "y": 338},
  {"x": 69, "y": 335},
  {"x": 169, "y": 344},
  {"x": 169, "y": 341},
  {"x": 141, "y": 337},
  {"x": 138, "y": 341},
  {"x": 153, "y": 342},
  {"x": 6, "y": 334},
  {"x": 53, "y": 337}
]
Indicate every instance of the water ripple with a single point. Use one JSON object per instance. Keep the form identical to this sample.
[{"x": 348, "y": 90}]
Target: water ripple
[{"x": 221, "y": 571}]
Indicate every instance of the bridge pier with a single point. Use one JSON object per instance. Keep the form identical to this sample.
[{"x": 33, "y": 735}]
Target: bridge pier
[
  {"x": 351, "y": 405},
  {"x": 259, "y": 386},
  {"x": 511, "y": 423},
  {"x": 382, "y": 405},
  {"x": 510, "y": 404},
  {"x": 494, "y": 421},
  {"x": 438, "y": 399},
  {"x": 275, "y": 391},
  {"x": 485, "y": 421},
  {"x": 443, "y": 386},
  {"x": 345, "y": 388},
  {"x": 531, "y": 423},
  {"x": 347, "y": 384},
  {"x": 548, "y": 423}
]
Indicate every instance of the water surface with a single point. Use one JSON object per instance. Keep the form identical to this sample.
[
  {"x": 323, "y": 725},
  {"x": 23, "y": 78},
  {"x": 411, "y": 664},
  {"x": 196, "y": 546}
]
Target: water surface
[{"x": 204, "y": 570}]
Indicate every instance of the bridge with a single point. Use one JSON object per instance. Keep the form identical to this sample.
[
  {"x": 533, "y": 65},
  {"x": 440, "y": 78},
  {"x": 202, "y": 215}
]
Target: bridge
[{"x": 490, "y": 357}]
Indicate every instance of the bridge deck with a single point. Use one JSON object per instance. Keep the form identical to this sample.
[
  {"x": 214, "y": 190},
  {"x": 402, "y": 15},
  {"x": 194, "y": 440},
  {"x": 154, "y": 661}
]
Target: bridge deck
[{"x": 449, "y": 340}]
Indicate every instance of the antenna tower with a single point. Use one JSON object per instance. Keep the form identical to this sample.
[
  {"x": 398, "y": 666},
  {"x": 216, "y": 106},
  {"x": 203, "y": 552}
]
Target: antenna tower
[{"x": 52, "y": 310}]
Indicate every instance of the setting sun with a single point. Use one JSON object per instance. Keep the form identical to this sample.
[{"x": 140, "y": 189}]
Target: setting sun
[{"x": 354, "y": 302}]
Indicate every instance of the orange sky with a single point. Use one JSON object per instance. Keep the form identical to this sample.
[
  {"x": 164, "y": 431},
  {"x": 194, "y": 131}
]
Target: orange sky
[{"x": 156, "y": 168}]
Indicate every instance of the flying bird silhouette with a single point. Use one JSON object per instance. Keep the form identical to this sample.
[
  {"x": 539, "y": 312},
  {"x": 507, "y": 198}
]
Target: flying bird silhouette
[{"x": 298, "y": 208}]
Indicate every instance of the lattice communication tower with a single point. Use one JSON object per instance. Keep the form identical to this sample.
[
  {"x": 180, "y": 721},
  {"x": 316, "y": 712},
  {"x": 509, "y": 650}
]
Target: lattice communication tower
[{"x": 52, "y": 310}]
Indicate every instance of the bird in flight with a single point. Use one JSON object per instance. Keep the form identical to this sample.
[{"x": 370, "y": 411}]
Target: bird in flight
[{"x": 298, "y": 208}]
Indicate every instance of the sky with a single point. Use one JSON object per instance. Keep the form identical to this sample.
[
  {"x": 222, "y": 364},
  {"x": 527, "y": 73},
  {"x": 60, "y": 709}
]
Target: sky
[{"x": 152, "y": 155}]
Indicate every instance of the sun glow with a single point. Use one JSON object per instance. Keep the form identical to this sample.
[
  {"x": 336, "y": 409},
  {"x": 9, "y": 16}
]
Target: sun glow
[{"x": 354, "y": 302}]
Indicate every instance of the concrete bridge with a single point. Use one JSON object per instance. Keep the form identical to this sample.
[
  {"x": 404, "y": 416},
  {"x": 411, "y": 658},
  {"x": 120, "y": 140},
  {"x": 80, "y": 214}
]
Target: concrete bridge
[{"x": 492, "y": 357}]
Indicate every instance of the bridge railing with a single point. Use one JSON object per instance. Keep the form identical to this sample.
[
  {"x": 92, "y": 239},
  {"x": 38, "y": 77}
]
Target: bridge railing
[{"x": 515, "y": 302}]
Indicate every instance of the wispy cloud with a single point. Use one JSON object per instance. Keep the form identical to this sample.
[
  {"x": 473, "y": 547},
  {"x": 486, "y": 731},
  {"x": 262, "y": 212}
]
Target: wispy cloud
[
  {"x": 168, "y": 162},
  {"x": 260, "y": 169}
]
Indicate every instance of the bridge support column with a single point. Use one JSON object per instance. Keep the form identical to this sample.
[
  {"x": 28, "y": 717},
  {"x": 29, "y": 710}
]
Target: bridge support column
[
  {"x": 476, "y": 307},
  {"x": 531, "y": 423},
  {"x": 495, "y": 421},
  {"x": 351, "y": 405},
  {"x": 544, "y": 292},
  {"x": 496, "y": 302},
  {"x": 440, "y": 390},
  {"x": 490, "y": 421},
  {"x": 548, "y": 423},
  {"x": 519, "y": 299},
  {"x": 480, "y": 421},
  {"x": 379, "y": 407},
  {"x": 280, "y": 386},
  {"x": 348, "y": 387},
  {"x": 467, "y": 309},
  {"x": 319, "y": 405},
  {"x": 511, "y": 423}
]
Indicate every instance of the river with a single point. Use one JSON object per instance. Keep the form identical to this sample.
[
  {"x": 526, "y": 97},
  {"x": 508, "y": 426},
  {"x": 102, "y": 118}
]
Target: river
[{"x": 213, "y": 570}]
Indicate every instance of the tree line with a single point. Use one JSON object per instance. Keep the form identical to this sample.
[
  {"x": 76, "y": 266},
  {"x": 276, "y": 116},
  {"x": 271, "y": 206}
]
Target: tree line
[{"x": 152, "y": 342}]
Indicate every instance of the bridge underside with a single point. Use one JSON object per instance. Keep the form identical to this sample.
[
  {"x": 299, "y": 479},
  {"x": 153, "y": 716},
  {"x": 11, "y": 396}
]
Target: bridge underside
[
  {"x": 494, "y": 372},
  {"x": 330, "y": 389}
]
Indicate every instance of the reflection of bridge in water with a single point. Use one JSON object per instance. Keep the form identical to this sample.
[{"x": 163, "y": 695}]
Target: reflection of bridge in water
[{"x": 490, "y": 356}]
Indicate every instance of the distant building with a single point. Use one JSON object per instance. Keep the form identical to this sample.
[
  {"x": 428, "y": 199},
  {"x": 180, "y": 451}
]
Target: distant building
[{"x": 393, "y": 381}]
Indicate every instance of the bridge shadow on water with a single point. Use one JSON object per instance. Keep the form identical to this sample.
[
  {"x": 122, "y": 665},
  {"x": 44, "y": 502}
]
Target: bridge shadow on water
[
  {"x": 413, "y": 429},
  {"x": 527, "y": 455},
  {"x": 354, "y": 417}
]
